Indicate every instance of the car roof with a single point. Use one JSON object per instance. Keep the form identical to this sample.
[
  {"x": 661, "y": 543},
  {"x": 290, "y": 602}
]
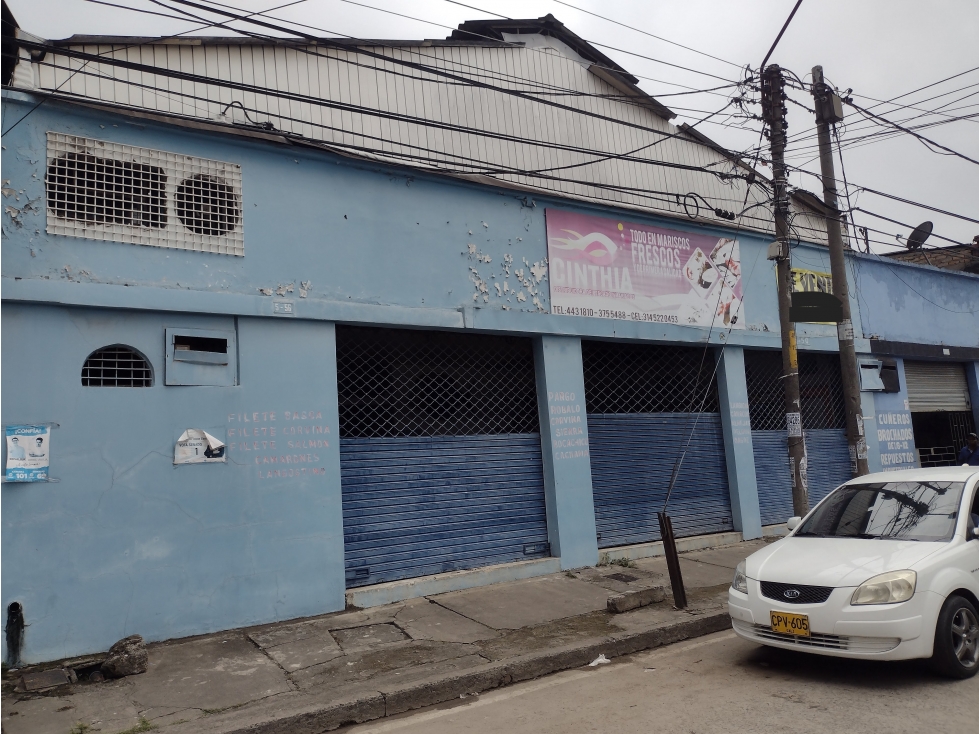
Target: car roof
[{"x": 930, "y": 474}]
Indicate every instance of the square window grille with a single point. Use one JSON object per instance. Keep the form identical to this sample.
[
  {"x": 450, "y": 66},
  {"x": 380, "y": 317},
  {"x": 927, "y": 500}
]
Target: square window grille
[
  {"x": 820, "y": 387},
  {"x": 120, "y": 193},
  {"x": 395, "y": 382},
  {"x": 644, "y": 378}
]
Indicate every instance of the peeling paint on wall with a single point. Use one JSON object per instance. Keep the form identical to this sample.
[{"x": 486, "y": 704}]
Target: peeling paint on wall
[{"x": 527, "y": 279}]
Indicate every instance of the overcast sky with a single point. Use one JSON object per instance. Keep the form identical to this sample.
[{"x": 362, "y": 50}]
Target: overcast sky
[{"x": 879, "y": 48}]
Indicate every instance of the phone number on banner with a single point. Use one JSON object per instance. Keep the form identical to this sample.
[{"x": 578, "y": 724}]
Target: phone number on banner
[{"x": 603, "y": 313}]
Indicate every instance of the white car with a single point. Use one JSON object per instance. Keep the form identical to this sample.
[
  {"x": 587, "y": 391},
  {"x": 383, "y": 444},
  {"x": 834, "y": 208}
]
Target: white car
[{"x": 886, "y": 567}]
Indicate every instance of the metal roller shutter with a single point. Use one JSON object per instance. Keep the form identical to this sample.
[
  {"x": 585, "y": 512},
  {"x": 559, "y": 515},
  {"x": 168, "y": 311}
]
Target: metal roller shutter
[
  {"x": 632, "y": 461},
  {"x": 440, "y": 454},
  {"x": 823, "y": 422},
  {"x": 772, "y": 469},
  {"x": 935, "y": 386},
  {"x": 643, "y": 403}
]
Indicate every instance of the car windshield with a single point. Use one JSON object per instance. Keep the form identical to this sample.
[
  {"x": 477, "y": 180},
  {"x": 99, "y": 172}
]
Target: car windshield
[{"x": 924, "y": 511}]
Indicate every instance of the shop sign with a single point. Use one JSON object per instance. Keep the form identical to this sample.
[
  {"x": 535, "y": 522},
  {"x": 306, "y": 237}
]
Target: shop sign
[{"x": 615, "y": 269}]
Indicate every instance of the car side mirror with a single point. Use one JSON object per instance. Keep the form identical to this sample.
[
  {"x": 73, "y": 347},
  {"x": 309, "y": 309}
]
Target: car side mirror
[
  {"x": 974, "y": 534},
  {"x": 792, "y": 523}
]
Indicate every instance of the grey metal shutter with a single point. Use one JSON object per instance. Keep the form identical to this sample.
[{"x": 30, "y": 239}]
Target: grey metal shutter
[
  {"x": 935, "y": 386},
  {"x": 440, "y": 454},
  {"x": 643, "y": 403},
  {"x": 823, "y": 422},
  {"x": 828, "y": 458}
]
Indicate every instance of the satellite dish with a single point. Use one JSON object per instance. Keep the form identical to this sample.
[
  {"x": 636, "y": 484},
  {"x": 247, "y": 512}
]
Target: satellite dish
[{"x": 920, "y": 234}]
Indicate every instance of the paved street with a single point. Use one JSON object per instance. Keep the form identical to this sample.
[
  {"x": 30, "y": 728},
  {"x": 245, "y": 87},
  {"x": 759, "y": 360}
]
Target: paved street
[{"x": 714, "y": 684}]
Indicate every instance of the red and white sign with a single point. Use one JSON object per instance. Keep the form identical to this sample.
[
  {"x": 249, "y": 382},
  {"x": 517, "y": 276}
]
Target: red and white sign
[{"x": 614, "y": 269}]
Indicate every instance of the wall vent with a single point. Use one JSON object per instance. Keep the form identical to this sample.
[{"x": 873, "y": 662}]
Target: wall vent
[
  {"x": 120, "y": 193},
  {"x": 117, "y": 366}
]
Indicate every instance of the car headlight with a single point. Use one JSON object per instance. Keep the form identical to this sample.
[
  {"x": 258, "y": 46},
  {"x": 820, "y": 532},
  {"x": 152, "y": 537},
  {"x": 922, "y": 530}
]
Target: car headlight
[
  {"x": 887, "y": 588},
  {"x": 740, "y": 582}
]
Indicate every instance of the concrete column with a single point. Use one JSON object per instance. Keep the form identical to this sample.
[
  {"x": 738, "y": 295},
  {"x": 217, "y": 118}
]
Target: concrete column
[
  {"x": 972, "y": 377},
  {"x": 733, "y": 394},
  {"x": 564, "y": 442}
]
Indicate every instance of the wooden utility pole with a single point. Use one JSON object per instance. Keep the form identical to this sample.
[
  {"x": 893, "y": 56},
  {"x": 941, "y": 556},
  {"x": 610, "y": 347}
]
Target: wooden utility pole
[
  {"x": 773, "y": 111},
  {"x": 829, "y": 110}
]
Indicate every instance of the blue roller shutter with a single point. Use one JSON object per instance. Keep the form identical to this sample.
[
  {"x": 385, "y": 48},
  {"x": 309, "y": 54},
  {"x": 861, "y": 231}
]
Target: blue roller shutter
[
  {"x": 823, "y": 422},
  {"x": 642, "y": 403},
  {"x": 418, "y": 506},
  {"x": 632, "y": 458},
  {"x": 440, "y": 453},
  {"x": 829, "y": 466}
]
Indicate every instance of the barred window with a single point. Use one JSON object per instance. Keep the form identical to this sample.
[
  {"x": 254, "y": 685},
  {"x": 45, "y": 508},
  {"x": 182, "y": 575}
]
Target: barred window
[
  {"x": 86, "y": 188},
  {"x": 820, "y": 387},
  {"x": 207, "y": 205},
  {"x": 641, "y": 378},
  {"x": 117, "y": 366},
  {"x": 394, "y": 382}
]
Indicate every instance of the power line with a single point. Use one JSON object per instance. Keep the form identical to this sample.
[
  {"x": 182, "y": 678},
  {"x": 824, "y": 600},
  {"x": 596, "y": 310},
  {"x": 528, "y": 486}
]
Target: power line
[
  {"x": 933, "y": 84},
  {"x": 922, "y": 138},
  {"x": 779, "y": 36},
  {"x": 417, "y": 66},
  {"x": 176, "y": 35},
  {"x": 645, "y": 33}
]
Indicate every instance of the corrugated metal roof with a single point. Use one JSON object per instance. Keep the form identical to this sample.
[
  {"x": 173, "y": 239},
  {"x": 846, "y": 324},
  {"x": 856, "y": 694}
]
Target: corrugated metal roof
[{"x": 566, "y": 122}]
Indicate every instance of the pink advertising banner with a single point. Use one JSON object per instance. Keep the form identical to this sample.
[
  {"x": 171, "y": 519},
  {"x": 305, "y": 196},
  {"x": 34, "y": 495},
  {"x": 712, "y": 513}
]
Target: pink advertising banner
[{"x": 614, "y": 269}]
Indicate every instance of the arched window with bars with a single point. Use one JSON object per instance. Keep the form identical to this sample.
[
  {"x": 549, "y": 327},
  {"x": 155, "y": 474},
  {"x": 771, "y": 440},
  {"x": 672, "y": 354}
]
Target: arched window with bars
[{"x": 117, "y": 366}]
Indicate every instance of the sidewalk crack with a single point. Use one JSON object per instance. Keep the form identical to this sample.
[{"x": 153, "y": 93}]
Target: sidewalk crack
[{"x": 276, "y": 663}]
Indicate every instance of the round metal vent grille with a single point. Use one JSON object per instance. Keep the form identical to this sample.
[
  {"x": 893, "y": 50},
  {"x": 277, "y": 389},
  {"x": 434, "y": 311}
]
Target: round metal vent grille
[{"x": 207, "y": 205}]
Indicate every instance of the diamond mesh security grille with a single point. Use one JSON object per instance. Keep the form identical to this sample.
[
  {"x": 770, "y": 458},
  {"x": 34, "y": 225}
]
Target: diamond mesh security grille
[
  {"x": 102, "y": 190},
  {"x": 117, "y": 366},
  {"x": 395, "y": 382},
  {"x": 640, "y": 378},
  {"x": 820, "y": 386}
]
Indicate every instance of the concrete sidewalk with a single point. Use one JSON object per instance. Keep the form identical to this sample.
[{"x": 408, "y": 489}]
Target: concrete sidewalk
[{"x": 317, "y": 674}]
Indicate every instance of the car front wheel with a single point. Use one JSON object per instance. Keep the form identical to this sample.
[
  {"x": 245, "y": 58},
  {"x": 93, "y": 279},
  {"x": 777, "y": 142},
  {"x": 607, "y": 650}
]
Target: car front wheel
[{"x": 957, "y": 639}]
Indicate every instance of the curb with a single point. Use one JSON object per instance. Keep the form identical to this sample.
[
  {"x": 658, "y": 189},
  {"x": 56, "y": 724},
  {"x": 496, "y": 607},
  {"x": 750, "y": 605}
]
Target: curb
[{"x": 310, "y": 717}]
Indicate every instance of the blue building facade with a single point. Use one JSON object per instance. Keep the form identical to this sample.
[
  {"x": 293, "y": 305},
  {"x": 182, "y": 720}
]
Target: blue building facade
[{"x": 355, "y": 290}]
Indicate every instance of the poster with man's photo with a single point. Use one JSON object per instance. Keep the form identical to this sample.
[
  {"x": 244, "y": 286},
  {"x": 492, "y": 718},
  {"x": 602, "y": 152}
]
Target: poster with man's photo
[{"x": 28, "y": 453}]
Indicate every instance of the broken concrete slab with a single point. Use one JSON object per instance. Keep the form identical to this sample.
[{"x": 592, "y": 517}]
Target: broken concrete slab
[
  {"x": 525, "y": 603},
  {"x": 357, "y": 639},
  {"x": 43, "y": 679},
  {"x": 361, "y": 667},
  {"x": 210, "y": 674},
  {"x": 268, "y": 637},
  {"x": 422, "y": 619},
  {"x": 107, "y": 707},
  {"x": 363, "y": 617},
  {"x": 306, "y": 652},
  {"x": 620, "y": 579},
  {"x": 636, "y": 598}
]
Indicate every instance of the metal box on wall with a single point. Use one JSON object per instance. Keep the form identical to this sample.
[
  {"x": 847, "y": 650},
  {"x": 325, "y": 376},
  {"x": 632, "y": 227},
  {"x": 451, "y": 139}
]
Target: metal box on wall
[{"x": 202, "y": 357}]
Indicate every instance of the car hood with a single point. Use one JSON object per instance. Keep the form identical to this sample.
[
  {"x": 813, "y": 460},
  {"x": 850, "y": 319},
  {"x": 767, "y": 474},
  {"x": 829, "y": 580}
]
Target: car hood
[{"x": 835, "y": 561}]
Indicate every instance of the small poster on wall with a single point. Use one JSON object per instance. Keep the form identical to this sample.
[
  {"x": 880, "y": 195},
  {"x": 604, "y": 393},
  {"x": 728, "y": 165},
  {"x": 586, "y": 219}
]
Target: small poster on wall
[
  {"x": 198, "y": 447},
  {"x": 28, "y": 453}
]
